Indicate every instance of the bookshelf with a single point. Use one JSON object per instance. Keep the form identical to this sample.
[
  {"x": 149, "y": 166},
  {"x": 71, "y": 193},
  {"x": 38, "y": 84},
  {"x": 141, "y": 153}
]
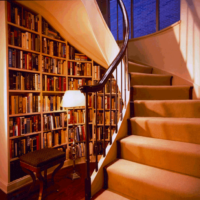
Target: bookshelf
[{"x": 41, "y": 67}]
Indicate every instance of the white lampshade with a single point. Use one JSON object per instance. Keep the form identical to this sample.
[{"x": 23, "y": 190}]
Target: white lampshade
[{"x": 73, "y": 98}]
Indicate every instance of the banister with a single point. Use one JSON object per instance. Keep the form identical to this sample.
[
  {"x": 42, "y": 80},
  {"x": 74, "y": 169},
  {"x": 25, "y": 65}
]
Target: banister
[
  {"x": 97, "y": 88},
  {"x": 116, "y": 61}
]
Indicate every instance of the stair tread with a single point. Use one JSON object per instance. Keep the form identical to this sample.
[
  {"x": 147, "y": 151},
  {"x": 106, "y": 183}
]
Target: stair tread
[
  {"x": 169, "y": 101},
  {"x": 149, "y": 75},
  {"x": 133, "y": 63},
  {"x": 112, "y": 195},
  {"x": 162, "y": 144},
  {"x": 146, "y": 182},
  {"x": 161, "y": 87},
  {"x": 170, "y": 119}
]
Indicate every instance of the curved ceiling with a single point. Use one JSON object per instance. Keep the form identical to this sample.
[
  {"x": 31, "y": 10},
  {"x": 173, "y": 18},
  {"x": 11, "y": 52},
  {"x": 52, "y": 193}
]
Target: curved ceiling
[{"x": 81, "y": 24}]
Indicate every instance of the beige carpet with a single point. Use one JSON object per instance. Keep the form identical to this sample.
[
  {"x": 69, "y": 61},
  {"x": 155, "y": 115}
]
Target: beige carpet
[{"x": 160, "y": 157}]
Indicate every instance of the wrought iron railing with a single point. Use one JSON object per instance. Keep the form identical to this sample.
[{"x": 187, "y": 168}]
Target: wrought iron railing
[{"x": 121, "y": 57}]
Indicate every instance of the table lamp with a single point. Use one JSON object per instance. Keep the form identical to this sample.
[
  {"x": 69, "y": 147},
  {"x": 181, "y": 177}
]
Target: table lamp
[{"x": 71, "y": 99}]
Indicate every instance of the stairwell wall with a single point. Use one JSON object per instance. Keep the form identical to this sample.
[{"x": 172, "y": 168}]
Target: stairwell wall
[{"x": 174, "y": 50}]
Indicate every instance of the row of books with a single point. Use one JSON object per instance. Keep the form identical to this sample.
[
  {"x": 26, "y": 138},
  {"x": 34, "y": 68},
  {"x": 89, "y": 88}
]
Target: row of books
[
  {"x": 51, "y": 139},
  {"x": 25, "y": 40},
  {"x": 24, "y": 104},
  {"x": 24, "y": 81},
  {"x": 53, "y": 83},
  {"x": 77, "y": 133},
  {"x": 49, "y": 31},
  {"x": 23, "y": 125},
  {"x": 96, "y": 72},
  {"x": 111, "y": 86},
  {"x": 79, "y": 69},
  {"x": 22, "y": 60},
  {"x": 80, "y": 56},
  {"x": 53, "y": 121},
  {"x": 53, "y": 48},
  {"x": 99, "y": 134},
  {"x": 78, "y": 116},
  {"x": 51, "y": 103},
  {"x": 100, "y": 118},
  {"x": 74, "y": 83},
  {"x": 53, "y": 65},
  {"x": 107, "y": 102},
  {"x": 22, "y": 146},
  {"x": 22, "y": 17},
  {"x": 99, "y": 149}
]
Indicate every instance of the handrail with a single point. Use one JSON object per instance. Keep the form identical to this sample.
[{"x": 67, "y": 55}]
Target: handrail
[
  {"x": 116, "y": 61},
  {"x": 101, "y": 86}
]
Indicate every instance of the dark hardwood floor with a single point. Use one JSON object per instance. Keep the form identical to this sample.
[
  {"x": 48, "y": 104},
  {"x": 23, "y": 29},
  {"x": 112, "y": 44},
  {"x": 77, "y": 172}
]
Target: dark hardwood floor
[{"x": 67, "y": 189}]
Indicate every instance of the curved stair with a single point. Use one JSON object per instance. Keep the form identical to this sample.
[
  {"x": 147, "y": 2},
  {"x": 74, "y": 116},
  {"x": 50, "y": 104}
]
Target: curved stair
[{"x": 160, "y": 157}]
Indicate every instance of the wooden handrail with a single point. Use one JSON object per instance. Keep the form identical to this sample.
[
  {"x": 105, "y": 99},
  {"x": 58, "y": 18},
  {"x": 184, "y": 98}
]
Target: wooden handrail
[
  {"x": 97, "y": 88},
  {"x": 116, "y": 61}
]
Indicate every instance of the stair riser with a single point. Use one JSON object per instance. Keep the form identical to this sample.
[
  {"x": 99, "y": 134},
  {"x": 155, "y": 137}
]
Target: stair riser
[
  {"x": 159, "y": 155},
  {"x": 143, "y": 182},
  {"x": 165, "y": 109},
  {"x": 150, "y": 80},
  {"x": 157, "y": 93}
]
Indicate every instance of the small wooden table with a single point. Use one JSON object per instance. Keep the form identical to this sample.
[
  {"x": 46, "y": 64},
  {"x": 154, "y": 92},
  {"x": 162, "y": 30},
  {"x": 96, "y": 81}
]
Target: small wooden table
[{"x": 39, "y": 161}]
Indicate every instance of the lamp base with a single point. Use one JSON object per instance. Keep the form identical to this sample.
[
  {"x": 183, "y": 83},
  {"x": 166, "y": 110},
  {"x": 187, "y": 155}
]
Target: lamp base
[{"x": 73, "y": 175}]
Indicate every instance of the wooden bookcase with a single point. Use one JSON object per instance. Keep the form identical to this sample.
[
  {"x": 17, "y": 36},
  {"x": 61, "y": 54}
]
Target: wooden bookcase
[{"x": 32, "y": 72}]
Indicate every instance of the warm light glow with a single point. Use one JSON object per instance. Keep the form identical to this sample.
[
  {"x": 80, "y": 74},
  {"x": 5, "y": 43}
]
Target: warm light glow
[{"x": 73, "y": 98}]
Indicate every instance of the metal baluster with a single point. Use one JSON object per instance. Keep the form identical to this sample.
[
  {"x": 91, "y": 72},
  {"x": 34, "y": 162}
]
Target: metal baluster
[
  {"x": 116, "y": 104},
  {"x": 87, "y": 158},
  {"x": 110, "y": 109},
  {"x": 104, "y": 130},
  {"x": 96, "y": 146},
  {"x": 125, "y": 81},
  {"x": 121, "y": 94}
]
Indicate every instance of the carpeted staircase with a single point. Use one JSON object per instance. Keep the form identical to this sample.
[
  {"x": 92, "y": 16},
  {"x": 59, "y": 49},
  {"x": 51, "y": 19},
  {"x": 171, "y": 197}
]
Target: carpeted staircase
[{"x": 160, "y": 158}]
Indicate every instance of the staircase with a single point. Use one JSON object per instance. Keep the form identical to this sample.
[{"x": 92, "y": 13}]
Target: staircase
[{"x": 160, "y": 157}]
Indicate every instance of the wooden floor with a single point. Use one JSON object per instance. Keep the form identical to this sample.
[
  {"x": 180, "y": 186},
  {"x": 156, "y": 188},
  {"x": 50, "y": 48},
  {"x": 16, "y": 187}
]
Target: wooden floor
[{"x": 68, "y": 189}]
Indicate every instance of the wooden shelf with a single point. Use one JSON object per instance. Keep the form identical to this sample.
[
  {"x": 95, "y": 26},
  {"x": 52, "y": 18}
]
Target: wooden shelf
[
  {"x": 13, "y": 159},
  {"x": 25, "y": 91},
  {"x": 50, "y": 38},
  {"x": 105, "y": 124},
  {"x": 23, "y": 70},
  {"x": 22, "y": 28},
  {"x": 100, "y": 94},
  {"x": 55, "y": 129},
  {"x": 59, "y": 58},
  {"x": 25, "y": 135},
  {"x": 81, "y": 61},
  {"x": 105, "y": 109},
  {"x": 75, "y": 76},
  {"x": 53, "y": 92},
  {"x": 59, "y": 145},
  {"x": 55, "y": 111},
  {"x": 52, "y": 74},
  {"x": 20, "y": 48},
  {"x": 24, "y": 114},
  {"x": 78, "y": 124}
]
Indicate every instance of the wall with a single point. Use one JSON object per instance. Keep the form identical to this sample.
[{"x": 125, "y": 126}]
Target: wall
[
  {"x": 4, "y": 151},
  {"x": 174, "y": 50}
]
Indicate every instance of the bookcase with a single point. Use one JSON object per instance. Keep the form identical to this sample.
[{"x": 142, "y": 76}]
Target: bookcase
[{"x": 41, "y": 67}]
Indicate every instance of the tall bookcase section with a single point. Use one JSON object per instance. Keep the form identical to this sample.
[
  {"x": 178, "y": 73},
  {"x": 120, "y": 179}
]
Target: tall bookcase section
[
  {"x": 54, "y": 119},
  {"x": 79, "y": 73},
  {"x": 111, "y": 104},
  {"x": 24, "y": 83},
  {"x": 36, "y": 83}
]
